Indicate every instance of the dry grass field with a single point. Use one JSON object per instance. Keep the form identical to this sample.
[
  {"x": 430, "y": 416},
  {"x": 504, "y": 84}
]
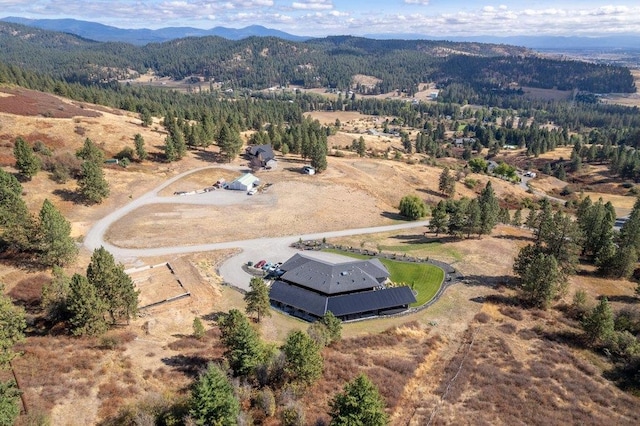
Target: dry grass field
[{"x": 472, "y": 357}]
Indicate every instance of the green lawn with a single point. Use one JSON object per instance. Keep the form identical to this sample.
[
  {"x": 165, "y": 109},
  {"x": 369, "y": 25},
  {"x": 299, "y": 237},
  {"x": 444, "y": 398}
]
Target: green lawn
[{"x": 424, "y": 278}]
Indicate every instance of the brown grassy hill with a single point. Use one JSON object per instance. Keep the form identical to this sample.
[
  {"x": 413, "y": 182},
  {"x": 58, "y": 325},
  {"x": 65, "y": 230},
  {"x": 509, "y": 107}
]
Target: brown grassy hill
[{"x": 470, "y": 358}]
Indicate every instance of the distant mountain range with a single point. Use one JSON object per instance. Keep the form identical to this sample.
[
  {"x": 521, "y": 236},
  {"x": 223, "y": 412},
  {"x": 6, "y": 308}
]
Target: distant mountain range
[
  {"x": 140, "y": 37},
  {"x": 100, "y": 32}
]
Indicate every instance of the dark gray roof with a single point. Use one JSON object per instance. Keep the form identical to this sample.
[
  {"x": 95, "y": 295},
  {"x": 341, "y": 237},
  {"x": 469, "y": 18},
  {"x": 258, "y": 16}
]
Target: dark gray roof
[
  {"x": 341, "y": 305},
  {"x": 334, "y": 278},
  {"x": 264, "y": 152}
]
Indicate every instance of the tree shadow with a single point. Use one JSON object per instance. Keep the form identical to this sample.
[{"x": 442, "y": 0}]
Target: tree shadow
[
  {"x": 190, "y": 365},
  {"x": 620, "y": 298},
  {"x": 214, "y": 316},
  {"x": 424, "y": 239},
  {"x": 210, "y": 156},
  {"x": 69, "y": 195},
  {"x": 515, "y": 237},
  {"x": 432, "y": 192},
  {"x": 395, "y": 216},
  {"x": 566, "y": 337},
  {"x": 495, "y": 282}
]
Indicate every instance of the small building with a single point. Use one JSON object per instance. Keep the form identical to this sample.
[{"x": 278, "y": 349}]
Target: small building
[
  {"x": 244, "y": 182},
  {"x": 261, "y": 157},
  {"x": 309, "y": 288},
  {"x": 460, "y": 142}
]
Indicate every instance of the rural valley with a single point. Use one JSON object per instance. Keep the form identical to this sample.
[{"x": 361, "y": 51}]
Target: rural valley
[{"x": 336, "y": 230}]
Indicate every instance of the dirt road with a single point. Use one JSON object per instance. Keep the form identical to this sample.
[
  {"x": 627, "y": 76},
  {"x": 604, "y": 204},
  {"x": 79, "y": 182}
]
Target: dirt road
[{"x": 272, "y": 249}]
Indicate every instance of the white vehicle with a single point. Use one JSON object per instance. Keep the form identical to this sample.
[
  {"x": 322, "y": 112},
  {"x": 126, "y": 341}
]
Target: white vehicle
[
  {"x": 308, "y": 170},
  {"x": 252, "y": 191}
]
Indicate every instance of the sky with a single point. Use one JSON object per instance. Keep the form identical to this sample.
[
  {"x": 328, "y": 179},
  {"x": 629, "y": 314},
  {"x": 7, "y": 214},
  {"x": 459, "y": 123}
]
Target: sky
[{"x": 353, "y": 17}]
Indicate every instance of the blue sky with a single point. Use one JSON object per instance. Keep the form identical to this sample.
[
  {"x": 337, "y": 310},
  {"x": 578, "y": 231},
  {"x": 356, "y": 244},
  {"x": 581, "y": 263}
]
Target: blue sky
[{"x": 356, "y": 17}]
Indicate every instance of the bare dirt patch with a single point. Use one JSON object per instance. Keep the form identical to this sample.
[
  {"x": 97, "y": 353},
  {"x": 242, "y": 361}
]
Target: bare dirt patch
[{"x": 31, "y": 103}]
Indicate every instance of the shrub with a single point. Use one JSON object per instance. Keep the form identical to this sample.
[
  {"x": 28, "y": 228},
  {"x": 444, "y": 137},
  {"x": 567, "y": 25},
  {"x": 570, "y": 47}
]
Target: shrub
[
  {"x": 292, "y": 415},
  {"x": 413, "y": 207},
  {"x": 470, "y": 183},
  {"x": 126, "y": 152}
]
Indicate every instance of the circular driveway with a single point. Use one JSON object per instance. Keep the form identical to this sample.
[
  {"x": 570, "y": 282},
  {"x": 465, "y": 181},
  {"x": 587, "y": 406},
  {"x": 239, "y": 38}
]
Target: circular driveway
[{"x": 276, "y": 249}]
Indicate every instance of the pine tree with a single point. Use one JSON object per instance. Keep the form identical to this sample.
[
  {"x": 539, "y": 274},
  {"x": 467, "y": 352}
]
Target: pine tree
[
  {"x": 599, "y": 323},
  {"x": 447, "y": 183},
  {"x": 90, "y": 152},
  {"x": 55, "y": 245},
  {"x": 86, "y": 308},
  {"x": 517, "y": 218},
  {"x": 244, "y": 350},
  {"x": 170, "y": 151},
  {"x": 319, "y": 155},
  {"x": 489, "y": 209},
  {"x": 258, "y": 298},
  {"x": 198, "y": 328},
  {"x": 17, "y": 226},
  {"x": 359, "y": 403},
  {"x": 113, "y": 286},
  {"x": 540, "y": 276},
  {"x": 212, "y": 399},
  {"x": 439, "y": 219},
  {"x": 12, "y": 326},
  {"x": 26, "y": 161},
  {"x": 230, "y": 142},
  {"x": 141, "y": 152},
  {"x": 55, "y": 296},
  {"x": 9, "y": 403},
  {"x": 92, "y": 186},
  {"x": 303, "y": 360}
]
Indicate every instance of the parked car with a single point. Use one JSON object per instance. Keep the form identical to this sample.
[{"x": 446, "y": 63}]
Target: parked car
[
  {"x": 308, "y": 170},
  {"x": 266, "y": 266},
  {"x": 252, "y": 191},
  {"x": 260, "y": 264},
  {"x": 272, "y": 268}
]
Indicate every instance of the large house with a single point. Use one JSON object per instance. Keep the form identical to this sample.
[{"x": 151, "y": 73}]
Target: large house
[
  {"x": 309, "y": 288},
  {"x": 261, "y": 157}
]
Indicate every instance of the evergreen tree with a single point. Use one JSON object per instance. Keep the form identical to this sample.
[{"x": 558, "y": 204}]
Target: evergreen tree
[
  {"x": 55, "y": 296},
  {"x": 212, "y": 399},
  {"x": 26, "y": 161},
  {"x": 413, "y": 207},
  {"x": 244, "y": 350},
  {"x": 56, "y": 247},
  {"x": 258, "y": 298},
  {"x": 230, "y": 142},
  {"x": 599, "y": 323},
  {"x": 447, "y": 183},
  {"x": 303, "y": 360},
  {"x": 630, "y": 230},
  {"x": 179, "y": 144},
  {"x": 326, "y": 330},
  {"x": 198, "y": 328},
  {"x": 113, "y": 286},
  {"x": 17, "y": 227},
  {"x": 170, "y": 150},
  {"x": 9, "y": 403},
  {"x": 145, "y": 117},
  {"x": 86, "y": 308},
  {"x": 91, "y": 152},
  {"x": 141, "y": 152},
  {"x": 439, "y": 219},
  {"x": 359, "y": 404},
  {"x": 319, "y": 155},
  {"x": 540, "y": 276},
  {"x": 10, "y": 183},
  {"x": 92, "y": 185},
  {"x": 473, "y": 218},
  {"x": 12, "y": 325},
  {"x": 517, "y": 218},
  {"x": 489, "y": 209}
]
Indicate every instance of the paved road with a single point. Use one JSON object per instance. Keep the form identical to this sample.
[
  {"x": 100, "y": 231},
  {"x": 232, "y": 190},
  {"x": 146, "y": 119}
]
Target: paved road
[{"x": 272, "y": 249}]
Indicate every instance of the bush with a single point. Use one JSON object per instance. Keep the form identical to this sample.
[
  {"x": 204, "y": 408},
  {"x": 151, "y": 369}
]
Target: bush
[
  {"x": 413, "y": 207},
  {"x": 126, "y": 152},
  {"x": 470, "y": 183},
  {"x": 292, "y": 415}
]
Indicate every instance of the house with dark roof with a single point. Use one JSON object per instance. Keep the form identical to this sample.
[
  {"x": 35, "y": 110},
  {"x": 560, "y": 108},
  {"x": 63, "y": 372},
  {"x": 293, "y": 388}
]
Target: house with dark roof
[
  {"x": 261, "y": 157},
  {"x": 309, "y": 288}
]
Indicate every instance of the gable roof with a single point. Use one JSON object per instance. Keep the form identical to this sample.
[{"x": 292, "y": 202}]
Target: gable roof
[
  {"x": 246, "y": 179},
  {"x": 264, "y": 152},
  {"x": 334, "y": 278},
  {"x": 340, "y": 305}
]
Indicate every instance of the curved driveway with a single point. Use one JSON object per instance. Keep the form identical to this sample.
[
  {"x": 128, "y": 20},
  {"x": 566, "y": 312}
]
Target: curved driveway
[{"x": 271, "y": 249}]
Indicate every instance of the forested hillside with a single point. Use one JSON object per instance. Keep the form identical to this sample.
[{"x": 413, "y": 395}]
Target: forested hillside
[{"x": 257, "y": 63}]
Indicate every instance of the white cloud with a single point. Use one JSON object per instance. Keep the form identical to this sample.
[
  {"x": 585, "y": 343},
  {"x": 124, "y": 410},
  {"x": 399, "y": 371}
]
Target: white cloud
[{"x": 313, "y": 5}]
